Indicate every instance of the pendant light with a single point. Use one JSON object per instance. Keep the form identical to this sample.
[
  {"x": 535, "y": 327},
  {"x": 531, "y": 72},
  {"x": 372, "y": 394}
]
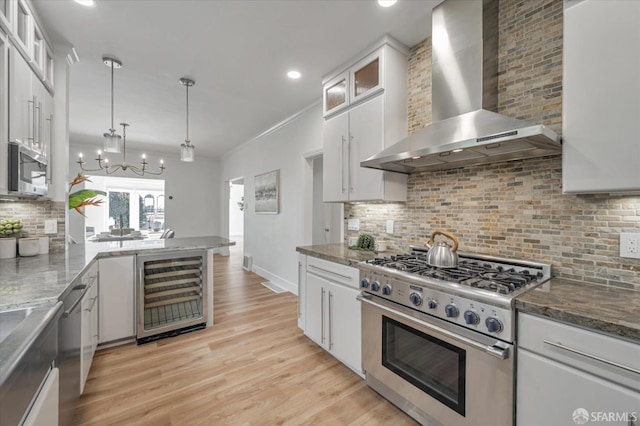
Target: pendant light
[
  {"x": 112, "y": 139},
  {"x": 186, "y": 149}
]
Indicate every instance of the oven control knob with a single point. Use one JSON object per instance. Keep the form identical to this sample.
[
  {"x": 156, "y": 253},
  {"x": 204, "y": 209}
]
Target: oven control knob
[
  {"x": 387, "y": 289},
  {"x": 471, "y": 317},
  {"x": 451, "y": 311},
  {"x": 375, "y": 286},
  {"x": 364, "y": 283},
  {"x": 432, "y": 304},
  {"x": 416, "y": 299},
  {"x": 493, "y": 325}
]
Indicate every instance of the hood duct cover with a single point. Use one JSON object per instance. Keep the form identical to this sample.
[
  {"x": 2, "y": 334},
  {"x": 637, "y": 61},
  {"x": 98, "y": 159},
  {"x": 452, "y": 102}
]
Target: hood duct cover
[{"x": 466, "y": 130}]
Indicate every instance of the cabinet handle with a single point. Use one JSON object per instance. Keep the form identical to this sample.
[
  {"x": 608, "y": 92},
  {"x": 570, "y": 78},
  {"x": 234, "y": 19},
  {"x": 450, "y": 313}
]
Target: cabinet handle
[
  {"x": 351, "y": 182},
  {"x": 593, "y": 357},
  {"x": 39, "y": 126},
  {"x": 330, "y": 320},
  {"x": 31, "y": 118},
  {"x": 50, "y": 157},
  {"x": 344, "y": 187},
  {"x": 322, "y": 315},
  {"x": 346, "y": 277}
]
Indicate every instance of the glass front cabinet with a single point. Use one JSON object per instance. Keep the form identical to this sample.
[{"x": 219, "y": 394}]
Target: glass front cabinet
[
  {"x": 7, "y": 10},
  {"x": 363, "y": 79}
]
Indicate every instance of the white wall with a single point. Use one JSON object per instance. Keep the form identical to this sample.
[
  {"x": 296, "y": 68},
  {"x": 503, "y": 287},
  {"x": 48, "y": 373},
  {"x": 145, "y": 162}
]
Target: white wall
[
  {"x": 272, "y": 239},
  {"x": 194, "y": 209}
]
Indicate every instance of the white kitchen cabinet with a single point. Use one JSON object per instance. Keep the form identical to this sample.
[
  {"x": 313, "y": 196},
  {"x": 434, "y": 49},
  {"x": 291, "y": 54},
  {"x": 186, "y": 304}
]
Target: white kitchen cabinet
[
  {"x": 562, "y": 368},
  {"x": 89, "y": 323},
  {"x": 23, "y": 28},
  {"x": 302, "y": 277},
  {"x": 7, "y": 10},
  {"x": 21, "y": 102},
  {"x": 44, "y": 411},
  {"x": 601, "y": 97},
  {"x": 335, "y": 94},
  {"x": 332, "y": 313},
  {"x": 4, "y": 109},
  {"x": 116, "y": 299},
  {"x": 373, "y": 117}
]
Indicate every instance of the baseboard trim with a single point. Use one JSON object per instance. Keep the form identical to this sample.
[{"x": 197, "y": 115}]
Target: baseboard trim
[{"x": 279, "y": 281}]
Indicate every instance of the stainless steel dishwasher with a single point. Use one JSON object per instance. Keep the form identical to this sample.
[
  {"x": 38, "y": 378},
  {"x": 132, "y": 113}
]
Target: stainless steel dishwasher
[{"x": 172, "y": 294}]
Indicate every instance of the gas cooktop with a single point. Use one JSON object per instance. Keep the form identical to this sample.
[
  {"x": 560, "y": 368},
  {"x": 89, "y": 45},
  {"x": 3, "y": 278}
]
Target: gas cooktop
[{"x": 478, "y": 294}]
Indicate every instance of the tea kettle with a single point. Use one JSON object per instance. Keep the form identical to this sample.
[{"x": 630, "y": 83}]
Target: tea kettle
[{"x": 440, "y": 254}]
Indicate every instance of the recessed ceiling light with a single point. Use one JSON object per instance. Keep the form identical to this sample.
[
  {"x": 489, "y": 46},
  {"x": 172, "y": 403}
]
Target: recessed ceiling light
[
  {"x": 384, "y": 3},
  {"x": 86, "y": 2},
  {"x": 294, "y": 75}
]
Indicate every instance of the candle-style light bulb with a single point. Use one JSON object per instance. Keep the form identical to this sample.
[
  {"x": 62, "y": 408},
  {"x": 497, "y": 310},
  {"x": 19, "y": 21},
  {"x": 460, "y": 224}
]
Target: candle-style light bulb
[
  {"x": 80, "y": 155},
  {"x": 144, "y": 156},
  {"x": 99, "y": 152}
]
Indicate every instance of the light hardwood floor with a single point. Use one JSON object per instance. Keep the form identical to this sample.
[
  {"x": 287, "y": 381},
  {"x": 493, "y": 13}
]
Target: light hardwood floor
[{"x": 252, "y": 367}]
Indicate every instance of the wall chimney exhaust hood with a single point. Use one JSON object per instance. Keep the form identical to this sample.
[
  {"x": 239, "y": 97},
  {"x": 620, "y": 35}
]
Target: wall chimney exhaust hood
[{"x": 466, "y": 130}]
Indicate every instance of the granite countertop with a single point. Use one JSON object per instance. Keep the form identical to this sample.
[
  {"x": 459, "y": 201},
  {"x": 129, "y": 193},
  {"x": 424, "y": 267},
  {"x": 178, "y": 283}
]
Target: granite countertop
[
  {"x": 41, "y": 280},
  {"x": 606, "y": 309},
  {"x": 338, "y": 253}
]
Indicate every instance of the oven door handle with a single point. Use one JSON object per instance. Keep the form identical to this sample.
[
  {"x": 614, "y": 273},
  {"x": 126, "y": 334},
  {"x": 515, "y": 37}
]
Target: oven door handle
[{"x": 494, "y": 350}]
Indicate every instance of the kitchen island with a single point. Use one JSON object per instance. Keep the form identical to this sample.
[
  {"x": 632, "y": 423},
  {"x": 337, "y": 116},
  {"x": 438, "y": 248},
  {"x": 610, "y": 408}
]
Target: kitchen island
[{"x": 44, "y": 279}]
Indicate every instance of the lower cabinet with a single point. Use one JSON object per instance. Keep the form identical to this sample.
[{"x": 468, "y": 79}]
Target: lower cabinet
[
  {"x": 88, "y": 330},
  {"x": 331, "y": 311},
  {"x": 44, "y": 411},
  {"x": 570, "y": 375},
  {"x": 117, "y": 301}
]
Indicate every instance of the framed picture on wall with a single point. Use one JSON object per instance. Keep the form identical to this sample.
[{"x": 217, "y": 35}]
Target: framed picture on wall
[{"x": 267, "y": 192}]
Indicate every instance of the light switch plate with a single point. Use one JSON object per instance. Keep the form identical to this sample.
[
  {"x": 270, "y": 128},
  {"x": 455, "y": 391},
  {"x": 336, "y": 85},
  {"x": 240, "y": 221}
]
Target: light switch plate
[
  {"x": 50, "y": 226},
  {"x": 353, "y": 224},
  {"x": 389, "y": 227},
  {"x": 629, "y": 245}
]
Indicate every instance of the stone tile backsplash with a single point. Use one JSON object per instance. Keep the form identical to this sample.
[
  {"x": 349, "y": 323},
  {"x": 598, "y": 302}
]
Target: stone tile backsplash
[
  {"x": 32, "y": 213},
  {"x": 513, "y": 209}
]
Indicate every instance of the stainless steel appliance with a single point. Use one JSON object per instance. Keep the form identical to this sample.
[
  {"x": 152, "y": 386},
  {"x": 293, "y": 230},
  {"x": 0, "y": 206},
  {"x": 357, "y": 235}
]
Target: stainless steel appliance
[
  {"x": 172, "y": 294},
  {"x": 466, "y": 129},
  {"x": 439, "y": 342},
  {"x": 27, "y": 171}
]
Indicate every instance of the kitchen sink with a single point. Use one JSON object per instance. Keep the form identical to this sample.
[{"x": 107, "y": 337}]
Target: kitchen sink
[{"x": 9, "y": 320}]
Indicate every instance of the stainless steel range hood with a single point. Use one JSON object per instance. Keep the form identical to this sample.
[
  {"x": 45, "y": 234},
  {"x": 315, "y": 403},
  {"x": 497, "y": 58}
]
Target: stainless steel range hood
[{"x": 466, "y": 130}]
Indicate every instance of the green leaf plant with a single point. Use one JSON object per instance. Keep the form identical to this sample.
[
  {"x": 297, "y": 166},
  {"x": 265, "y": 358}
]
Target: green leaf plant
[{"x": 84, "y": 197}]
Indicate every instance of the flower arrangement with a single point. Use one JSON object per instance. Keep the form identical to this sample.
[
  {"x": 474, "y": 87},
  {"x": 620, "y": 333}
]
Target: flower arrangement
[{"x": 83, "y": 197}]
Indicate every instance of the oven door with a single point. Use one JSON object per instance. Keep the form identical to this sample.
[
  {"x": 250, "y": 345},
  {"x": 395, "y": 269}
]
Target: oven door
[{"x": 437, "y": 372}]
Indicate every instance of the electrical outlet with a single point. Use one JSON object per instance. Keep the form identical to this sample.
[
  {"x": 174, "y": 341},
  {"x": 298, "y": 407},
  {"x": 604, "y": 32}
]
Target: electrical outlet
[
  {"x": 50, "y": 226},
  {"x": 629, "y": 245},
  {"x": 389, "y": 227},
  {"x": 353, "y": 224}
]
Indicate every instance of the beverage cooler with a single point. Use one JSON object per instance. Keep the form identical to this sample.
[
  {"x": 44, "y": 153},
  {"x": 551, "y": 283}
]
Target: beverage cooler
[{"x": 172, "y": 294}]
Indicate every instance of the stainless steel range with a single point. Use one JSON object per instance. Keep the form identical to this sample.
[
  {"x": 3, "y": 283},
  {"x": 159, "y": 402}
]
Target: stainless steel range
[{"x": 439, "y": 342}]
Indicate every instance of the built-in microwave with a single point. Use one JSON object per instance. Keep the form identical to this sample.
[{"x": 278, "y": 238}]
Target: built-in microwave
[{"x": 27, "y": 171}]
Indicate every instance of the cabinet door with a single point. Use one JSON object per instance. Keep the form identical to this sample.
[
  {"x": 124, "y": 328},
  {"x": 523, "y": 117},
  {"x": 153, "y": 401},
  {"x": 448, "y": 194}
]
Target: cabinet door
[
  {"x": 335, "y": 94},
  {"x": 366, "y": 77},
  {"x": 20, "y": 100},
  {"x": 316, "y": 320},
  {"x": 44, "y": 411},
  {"x": 86, "y": 333},
  {"x": 302, "y": 288},
  {"x": 335, "y": 151},
  {"x": 600, "y": 108},
  {"x": 366, "y": 139},
  {"x": 550, "y": 393},
  {"x": 4, "y": 108},
  {"x": 345, "y": 325},
  {"x": 6, "y": 15},
  {"x": 116, "y": 298}
]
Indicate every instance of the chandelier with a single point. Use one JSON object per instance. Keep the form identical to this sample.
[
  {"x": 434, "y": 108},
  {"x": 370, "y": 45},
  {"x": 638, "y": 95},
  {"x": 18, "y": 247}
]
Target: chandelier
[
  {"x": 187, "y": 151},
  {"x": 103, "y": 163}
]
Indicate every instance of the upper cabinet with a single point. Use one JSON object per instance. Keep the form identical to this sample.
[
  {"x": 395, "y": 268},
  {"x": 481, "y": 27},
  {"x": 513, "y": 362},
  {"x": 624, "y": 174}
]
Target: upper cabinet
[
  {"x": 7, "y": 15},
  {"x": 365, "y": 110},
  {"x": 601, "y": 92},
  {"x": 4, "y": 108}
]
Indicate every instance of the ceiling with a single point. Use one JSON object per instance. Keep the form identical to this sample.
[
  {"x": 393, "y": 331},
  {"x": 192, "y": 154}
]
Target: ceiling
[{"x": 237, "y": 51}]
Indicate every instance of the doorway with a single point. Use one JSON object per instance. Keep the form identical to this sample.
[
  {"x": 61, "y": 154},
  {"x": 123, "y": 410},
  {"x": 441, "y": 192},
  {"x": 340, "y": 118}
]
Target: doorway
[
  {"x": 326, "y": 217},
  {"x": 236, "y": 213}
]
